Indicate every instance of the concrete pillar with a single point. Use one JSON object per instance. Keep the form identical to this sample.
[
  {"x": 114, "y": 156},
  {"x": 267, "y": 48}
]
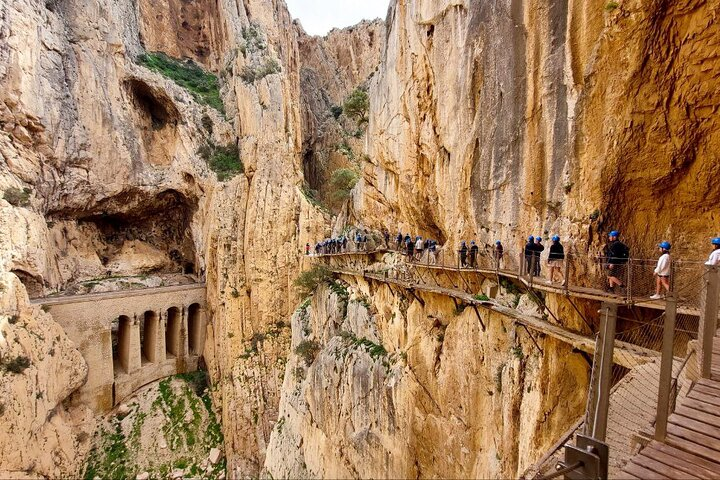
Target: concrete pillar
[
  {"x": 133, "y": 354},
  {"x": 160, "y": 343},
  {"x": 150, "y": 336},
  {"x": 173, "y": 326}
]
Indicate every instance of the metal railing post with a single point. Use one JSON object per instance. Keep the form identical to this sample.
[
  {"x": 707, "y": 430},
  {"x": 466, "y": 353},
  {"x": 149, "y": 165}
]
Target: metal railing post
[
  {"x": 566, "y": 274},
  {"x": 708, "y": 318},
  {"x": 607, "y": 345},
  {"x": 666, "y": 366},
  {"x": 628, "y": 282}
]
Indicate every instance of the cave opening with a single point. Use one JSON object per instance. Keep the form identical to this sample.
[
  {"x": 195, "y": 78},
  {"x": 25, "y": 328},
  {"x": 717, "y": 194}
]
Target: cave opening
[
  {"x": 32, "y": 283},
  {"x": 139, "y": 234},
  {"x": 156, "y": 110}
]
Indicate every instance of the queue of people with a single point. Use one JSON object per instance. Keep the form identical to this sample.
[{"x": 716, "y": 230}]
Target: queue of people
[{"x": 615, "y": 256}]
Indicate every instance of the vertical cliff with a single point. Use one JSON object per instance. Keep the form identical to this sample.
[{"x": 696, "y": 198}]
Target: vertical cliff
[{"x": 494, "y": 119}]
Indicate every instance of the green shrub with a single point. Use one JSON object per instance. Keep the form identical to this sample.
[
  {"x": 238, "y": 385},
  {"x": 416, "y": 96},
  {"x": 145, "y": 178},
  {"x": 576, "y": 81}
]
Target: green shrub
[
  {"x": 482, "y": 297},
  {"x": 203, "y": 86},
  {"x": 17, "y": 197},
  {"x": 336, "y": 111},
  {"x": 251, "y": 74},
  {"x": 610, "y": 6},
  {"x": 17, "y": 364},
  {"x": 517, "y": 352},
  {"x": 224, "y": 161},
  {"x": 356, "y": 106},
  {"x": 308, "y": 349},
  {"x": 342, "y": 181},
  {"x": 254, "y": 40},
  {"x": 309, "y": 280}
]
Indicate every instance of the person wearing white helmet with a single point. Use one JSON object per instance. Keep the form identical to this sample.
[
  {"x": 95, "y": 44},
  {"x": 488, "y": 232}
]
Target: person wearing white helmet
[
  {"x": 715, "y": 255},
  {"x": 662, "y": 271}
]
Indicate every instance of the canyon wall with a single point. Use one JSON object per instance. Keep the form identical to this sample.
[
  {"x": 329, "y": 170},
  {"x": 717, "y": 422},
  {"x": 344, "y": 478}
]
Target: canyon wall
[
  {"x": 384, "y": 383},
  {"x": 493, "y": 120}
]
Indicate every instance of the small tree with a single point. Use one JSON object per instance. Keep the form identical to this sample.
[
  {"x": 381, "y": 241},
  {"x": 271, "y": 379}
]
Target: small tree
[
  {"x": 309, "y": 280},
  {"x": 356, "y": 106},
  {"x": 342, "y": 181}
]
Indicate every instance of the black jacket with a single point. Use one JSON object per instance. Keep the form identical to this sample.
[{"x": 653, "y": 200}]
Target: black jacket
[
  {"x": 617, "y": 253},
  {"x": 557, "y": 252},
  {"x": 529, "y": 248}
]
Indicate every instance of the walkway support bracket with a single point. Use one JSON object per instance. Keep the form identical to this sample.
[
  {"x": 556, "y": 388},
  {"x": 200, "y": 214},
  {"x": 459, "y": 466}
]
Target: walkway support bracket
[
  {"x": 606, "y": 344},
  {"x": 666, "y": 365},
  {"x": 479, "y": 317},
  {"x": 708, "y": 318}
]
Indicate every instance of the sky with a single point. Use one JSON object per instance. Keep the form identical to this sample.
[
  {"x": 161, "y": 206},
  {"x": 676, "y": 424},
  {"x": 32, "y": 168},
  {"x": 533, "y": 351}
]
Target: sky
[{"x": 320, "y": 16}]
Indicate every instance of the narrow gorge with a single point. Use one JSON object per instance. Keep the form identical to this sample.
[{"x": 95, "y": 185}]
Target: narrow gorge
[{"x": 166, "y": 167}]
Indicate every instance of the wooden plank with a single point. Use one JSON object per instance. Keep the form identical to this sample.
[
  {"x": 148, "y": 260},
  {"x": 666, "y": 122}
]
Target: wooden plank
[
  {"x": 710, "y": 399},
  {"x": 705, "y": 390},
  {"x": 700, "y": 405},
  {"x": 686, "y": 411},
  {"x": 711, "y": 467},
  {"x": 688, "y": 446},
  {"x": 668, "y": 470},
  {"x": 694, "y": 424},
  {"x": 709, "y": 383},
  {"x": 697, "y": 437},
  {"x": 676, "y": 461},
  {"x": 642, "y": 472}
]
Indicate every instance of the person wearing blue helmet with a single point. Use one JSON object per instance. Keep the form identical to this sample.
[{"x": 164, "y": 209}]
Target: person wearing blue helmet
[
  {"x": 498, "y": 253},
  {"x": 715, "y": 255},
  {"x": 529, "y": 248},
  {"x": 616, "y": 257},
  {"x": 556, "y": 259},
  {"x": 662, "y": 270},
  {"x": 538, "y": 248}
]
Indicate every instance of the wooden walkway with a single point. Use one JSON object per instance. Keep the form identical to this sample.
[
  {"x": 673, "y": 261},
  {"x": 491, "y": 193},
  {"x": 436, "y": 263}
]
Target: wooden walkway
[
  {"x": 539, "y": 283},
  {"x": 692, "y": 446},
  {"x": 625, "y": 354}
]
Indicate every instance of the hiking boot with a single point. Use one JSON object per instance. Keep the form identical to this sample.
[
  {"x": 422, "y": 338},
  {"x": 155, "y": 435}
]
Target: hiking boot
[{"x": 657, "y": 296}]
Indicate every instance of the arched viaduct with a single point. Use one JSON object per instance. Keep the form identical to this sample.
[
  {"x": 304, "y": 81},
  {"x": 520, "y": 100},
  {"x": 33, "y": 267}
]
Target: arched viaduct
[{"x": 132, "y": 337}]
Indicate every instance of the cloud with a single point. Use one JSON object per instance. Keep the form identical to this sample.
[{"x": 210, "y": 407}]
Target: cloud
[{"x": 320, "y": 16}]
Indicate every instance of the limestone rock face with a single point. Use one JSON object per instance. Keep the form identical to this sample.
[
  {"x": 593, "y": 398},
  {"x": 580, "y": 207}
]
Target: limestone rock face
[
  {"x": 500, "y": 118},
  {"x": 41, "y": 367},
  {"x": 381, "y": 385}
]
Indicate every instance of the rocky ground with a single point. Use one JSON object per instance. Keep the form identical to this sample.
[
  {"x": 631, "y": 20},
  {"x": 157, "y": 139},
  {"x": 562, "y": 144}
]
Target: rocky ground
[{"x": 167, "y": 430}]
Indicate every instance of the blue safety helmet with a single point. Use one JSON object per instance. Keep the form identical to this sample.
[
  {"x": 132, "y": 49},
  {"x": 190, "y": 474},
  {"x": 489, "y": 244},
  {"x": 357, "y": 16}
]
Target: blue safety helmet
[
  {"x": 531, "y": 238},
  {"x": 614, "y": 233},
  {"x": 664, "y": 245},
  {"x": 715, "y": 241},
  {"x": 497, "y": 242},
  {"x": 556, "y": 238},
  {"x": 539, "y": 239}
]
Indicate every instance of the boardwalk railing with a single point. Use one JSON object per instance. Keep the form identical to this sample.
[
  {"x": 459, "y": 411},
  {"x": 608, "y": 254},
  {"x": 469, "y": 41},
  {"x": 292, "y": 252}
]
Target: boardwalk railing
[{"x": 577, "y": 274}]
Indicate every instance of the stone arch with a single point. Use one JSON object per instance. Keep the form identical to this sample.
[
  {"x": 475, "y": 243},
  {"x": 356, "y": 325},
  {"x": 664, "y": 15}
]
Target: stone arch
[
  {"x": 121, "y": 344},
  {"x": 195, "y": 329},
  {"x": 172, "y": 333},
  {"x": 33, "y": 283},
  {"x": 149, "y": 337}
]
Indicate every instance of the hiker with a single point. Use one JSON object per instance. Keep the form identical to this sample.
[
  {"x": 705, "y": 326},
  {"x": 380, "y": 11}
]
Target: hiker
[
  {"x": 662, "y": 271},
  {"x": 358, "y": 241},
  {"x": 555, "y": 259},
  {"x": 307, "y": 249},
  {"x": 410, "y": 246},
  {"x": 617, "y": 254},
  {"x": 364, "y": 241},
  {"x": 398, "y": 241},
  {"x": 473, "y": 254},
  {"x": 498, "y": 253},
  {"x": 538, "y": 248},
  {"x": 344, "y": 243},
  {"x": 317, "y": 248},
  {"x": 432, "y": 252},
  {"x": 419, "y": 245},
  {"x": 528, "y": 251},
  {"x": 715, "y": 255},
  {"x": 463, "y": 254}
]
